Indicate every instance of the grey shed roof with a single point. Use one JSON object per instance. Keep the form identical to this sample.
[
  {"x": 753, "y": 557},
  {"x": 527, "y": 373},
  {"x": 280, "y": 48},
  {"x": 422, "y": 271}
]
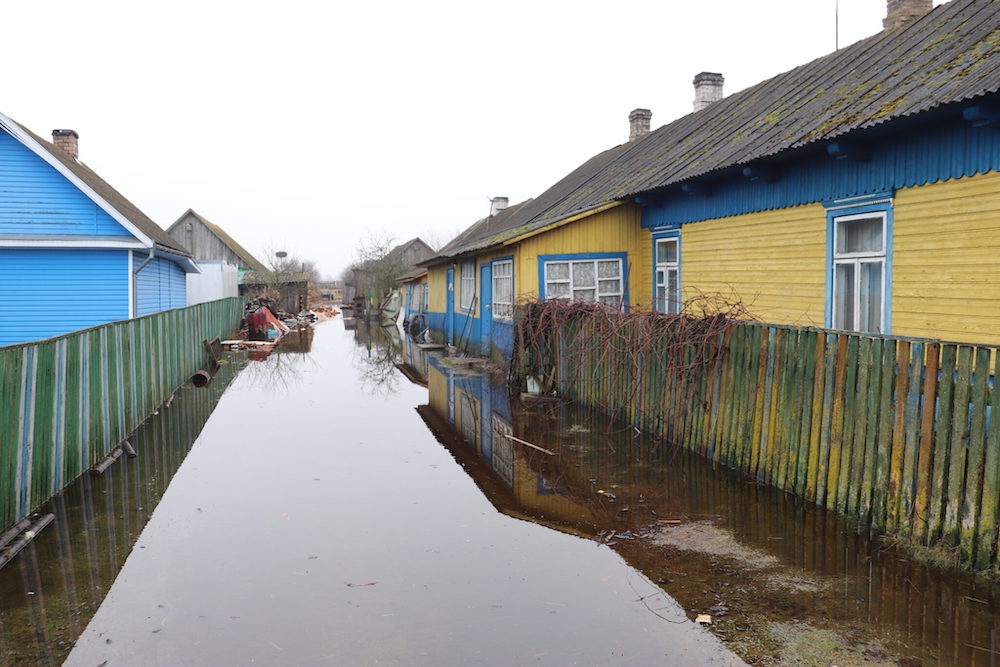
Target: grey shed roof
[
  {"x": 952, "y": 54},
  {"x": 116, "y": 199}
]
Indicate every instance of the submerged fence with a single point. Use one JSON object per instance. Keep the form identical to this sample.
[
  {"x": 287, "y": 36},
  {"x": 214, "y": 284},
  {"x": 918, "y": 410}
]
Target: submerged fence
[
  {"x": 895, "y": 432},
  {"x": 65, "y": 401}
]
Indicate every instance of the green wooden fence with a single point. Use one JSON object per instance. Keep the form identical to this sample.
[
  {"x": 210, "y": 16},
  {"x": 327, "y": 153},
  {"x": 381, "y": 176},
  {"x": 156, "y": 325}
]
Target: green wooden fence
[
  {"x": 66, "y": 401},
  {"x": 895, "y": 432}
]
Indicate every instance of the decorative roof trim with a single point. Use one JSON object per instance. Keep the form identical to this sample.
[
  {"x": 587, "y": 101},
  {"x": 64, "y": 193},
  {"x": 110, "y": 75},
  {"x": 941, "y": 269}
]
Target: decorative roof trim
[{"x": 15, "y": 131}]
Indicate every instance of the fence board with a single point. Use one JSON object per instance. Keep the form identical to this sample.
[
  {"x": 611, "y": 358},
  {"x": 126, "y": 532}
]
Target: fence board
[
  {"x": 66, "y": 401},
  {"x": 893, "y": 431}
]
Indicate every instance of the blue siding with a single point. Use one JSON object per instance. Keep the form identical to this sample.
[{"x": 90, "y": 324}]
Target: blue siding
[
  {"x": 37, "y": 199},
  {"x": 950, "y": 150},
  {"x": 161, "y": 285},
  {"x": 48, "y": 292}
]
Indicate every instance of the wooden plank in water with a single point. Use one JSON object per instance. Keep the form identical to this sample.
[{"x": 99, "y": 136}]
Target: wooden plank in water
[
  {"x": 942, "y": 440},
  {"x": 922, "y": 496},
  {"x": 987, "y": 530},
  {"x": 956, "y": 462},
  {"x": 977, "y": 446}
]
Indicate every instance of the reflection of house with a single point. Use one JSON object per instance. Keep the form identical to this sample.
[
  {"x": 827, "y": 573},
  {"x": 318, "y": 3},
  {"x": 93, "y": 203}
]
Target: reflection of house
[
  {"x": 74, "y": 253},
  {"x": 223, "y": 261},
  {"x": 859, "y": 191}
]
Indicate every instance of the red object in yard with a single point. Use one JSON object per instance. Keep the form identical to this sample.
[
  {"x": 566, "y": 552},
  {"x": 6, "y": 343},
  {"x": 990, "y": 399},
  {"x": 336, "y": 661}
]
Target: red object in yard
[{"x": 263, "y": 325}]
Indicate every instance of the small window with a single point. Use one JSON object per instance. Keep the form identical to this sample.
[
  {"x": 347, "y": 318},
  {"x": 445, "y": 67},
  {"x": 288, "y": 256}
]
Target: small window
[
  {"x": 668, "y": 297},
  {"x": 467, "y": 289},
  {"x": 585, "y": 280},
  {"x": 503, "y": 290},
  {"x": 859, "y": 273}
]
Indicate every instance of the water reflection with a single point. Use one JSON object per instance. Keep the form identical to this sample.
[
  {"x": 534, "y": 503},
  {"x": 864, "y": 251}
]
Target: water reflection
[
  {"x": 376, "y": 356},
  {"x": 668, "y": 513},
  {"x": 49, "y": 592}
]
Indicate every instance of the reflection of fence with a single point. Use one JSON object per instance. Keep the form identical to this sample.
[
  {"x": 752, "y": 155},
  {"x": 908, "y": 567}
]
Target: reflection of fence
[
  {"x": 65, "y": 401},
  {"x": 893, "y": 431}
]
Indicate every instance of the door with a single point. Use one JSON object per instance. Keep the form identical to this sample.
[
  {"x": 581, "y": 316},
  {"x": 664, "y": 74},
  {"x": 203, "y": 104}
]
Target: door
[
  {"x": 450, "y": 308},
  {"x": 485, "y": 308}
]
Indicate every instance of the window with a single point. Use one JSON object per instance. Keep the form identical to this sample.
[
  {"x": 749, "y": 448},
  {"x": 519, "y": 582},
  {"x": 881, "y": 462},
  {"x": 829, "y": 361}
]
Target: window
[
  {"x": 668, "y": 297},
  {"x": 859, "y": 272},
  {"x": 467, "y": 288},
  {"x": 585, "y": 280},
  {"x": 503, "y": 290}
]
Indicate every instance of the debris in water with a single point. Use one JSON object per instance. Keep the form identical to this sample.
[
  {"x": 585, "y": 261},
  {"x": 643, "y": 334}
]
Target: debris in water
[
  {"x": 704, "y": 619},
  {"x": 350, "y": 585}
]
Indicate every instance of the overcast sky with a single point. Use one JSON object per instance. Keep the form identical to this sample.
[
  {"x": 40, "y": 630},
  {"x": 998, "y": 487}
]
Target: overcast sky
[{"x": 304, "y": 126}]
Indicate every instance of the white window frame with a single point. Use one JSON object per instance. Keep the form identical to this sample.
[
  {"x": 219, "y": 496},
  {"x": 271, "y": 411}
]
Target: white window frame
[
  {"x": 672, "y": 305},
  {"x": 857, "y": 259},
  {"x": 503, "y": 308},
  {"x": 596, "y": 287},
  {"x": 467, "y": 285}
]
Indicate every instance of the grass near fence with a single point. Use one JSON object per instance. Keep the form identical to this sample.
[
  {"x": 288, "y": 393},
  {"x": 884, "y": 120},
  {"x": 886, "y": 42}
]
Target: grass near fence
[
  {"x": 892, "y": 431},
  {"x": 66, "y": 401}
]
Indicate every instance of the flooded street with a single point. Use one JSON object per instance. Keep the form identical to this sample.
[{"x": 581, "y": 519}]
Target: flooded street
[{"x": 355, "y": 500}]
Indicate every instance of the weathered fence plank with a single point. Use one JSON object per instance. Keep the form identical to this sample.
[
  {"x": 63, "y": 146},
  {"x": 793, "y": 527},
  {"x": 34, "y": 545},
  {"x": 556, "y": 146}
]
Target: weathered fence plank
[
  {"x": 65, "y": 401},
  {"x": 899, "y": 433}
]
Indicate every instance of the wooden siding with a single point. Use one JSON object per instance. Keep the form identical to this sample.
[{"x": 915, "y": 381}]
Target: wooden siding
[
  {"x": 437, "y": 281},
  {"x": 946, "y": 260},
  {"x": 203, "y": 243},
  {"x": 161, "y": 285},
  {"x": 48, "y": 292},
  {"x": 774, "y": 261},
  {"x": 615, "y": 230},
  {"x": 37, "y": 199}
]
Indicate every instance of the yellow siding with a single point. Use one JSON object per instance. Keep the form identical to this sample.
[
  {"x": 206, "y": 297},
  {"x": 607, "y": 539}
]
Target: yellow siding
[
  {"x": 437, "y": 392},
  {"x": 437, "y": 289},
  {"x": 773, "y": 261},
  {"x": 615, "y": 230},
  {"x": 946, "y": 260}
]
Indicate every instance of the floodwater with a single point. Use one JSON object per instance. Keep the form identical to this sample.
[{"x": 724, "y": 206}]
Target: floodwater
[{"x": 355, "y": 500}]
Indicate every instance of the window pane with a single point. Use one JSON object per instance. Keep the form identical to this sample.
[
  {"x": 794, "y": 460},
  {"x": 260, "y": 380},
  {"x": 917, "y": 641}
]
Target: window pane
[
  {"x": 666, "y": 251},
  {"x": 661, "y": 299},
  {"x": 674, "y": 303},
  {"x": 843, "y": 296},
  {"x": 609, "y": 286},
  {"x": 583, "y": 274},
  {"x": 870, "y": 315},
  {"x": 557, "y": 271},
  {"x": 556, "y": 290},
  {"x": 611, "y": 300},
  {"x": 585, "y": 294},
  {"x": 609, "y": 269},
  {"x": 859, "y": 235}
]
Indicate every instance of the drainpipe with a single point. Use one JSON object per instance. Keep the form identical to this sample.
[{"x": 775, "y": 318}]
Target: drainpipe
[{"x": 135, "y": 283}]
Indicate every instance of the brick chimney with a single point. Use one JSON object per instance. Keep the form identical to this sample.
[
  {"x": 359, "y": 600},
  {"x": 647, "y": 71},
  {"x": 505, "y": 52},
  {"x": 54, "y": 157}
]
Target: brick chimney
[
  {"x": 638, "y": 123},
  {"x": 68, "y": 141},
  {"x": 497, "y": 204},
  {"x": 901, "y": 13},
  {"x": 707, "y": 89}
]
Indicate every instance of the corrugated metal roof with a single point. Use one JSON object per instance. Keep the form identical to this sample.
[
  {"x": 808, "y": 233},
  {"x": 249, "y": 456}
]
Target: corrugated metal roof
[{"x": 949, "y": 55}]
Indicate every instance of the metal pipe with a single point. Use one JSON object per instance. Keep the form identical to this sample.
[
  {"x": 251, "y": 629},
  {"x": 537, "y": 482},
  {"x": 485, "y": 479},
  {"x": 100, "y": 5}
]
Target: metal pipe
[
  {"x": 98, "y": 468},
  {"x": 135, "y": 286},
  {"x": 13, "y": 532},
  {"x": 129, "y": 449},
  {"x": 25, "y": 539}
]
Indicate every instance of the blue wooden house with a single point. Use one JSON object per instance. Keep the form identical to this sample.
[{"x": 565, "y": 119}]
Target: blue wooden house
[{"x": 75, "y": 253}]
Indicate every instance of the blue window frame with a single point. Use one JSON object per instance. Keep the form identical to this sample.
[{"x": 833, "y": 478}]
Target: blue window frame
[
  {"x": 859, "y": 263},
  {"x": 599, "y": 276}
]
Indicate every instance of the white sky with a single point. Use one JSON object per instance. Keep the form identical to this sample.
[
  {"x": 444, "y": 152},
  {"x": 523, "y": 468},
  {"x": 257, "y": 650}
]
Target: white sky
[{"x": 304, "y": 126}]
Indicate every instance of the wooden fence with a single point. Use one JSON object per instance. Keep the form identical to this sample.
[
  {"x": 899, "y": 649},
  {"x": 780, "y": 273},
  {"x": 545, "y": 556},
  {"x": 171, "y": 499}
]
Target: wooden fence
[
  {"x": 892, "y": 431},
  {"x": 66, "y": 401}
]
